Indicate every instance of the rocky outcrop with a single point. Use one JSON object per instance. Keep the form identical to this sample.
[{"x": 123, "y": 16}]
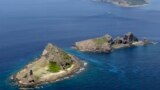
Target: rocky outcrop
[
  {"x": 100, "y": 44},
  {"x": 127, "y": 3},
  {"x": 53, "y": 64},
  {"x": 107, "y": 43},
  {"x": 54, "y": 54}
]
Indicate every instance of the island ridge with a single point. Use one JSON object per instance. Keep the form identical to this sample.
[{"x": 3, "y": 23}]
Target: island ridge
[
  {"x": 107, "y": 44},
  {"x": 54, "y": 64}
]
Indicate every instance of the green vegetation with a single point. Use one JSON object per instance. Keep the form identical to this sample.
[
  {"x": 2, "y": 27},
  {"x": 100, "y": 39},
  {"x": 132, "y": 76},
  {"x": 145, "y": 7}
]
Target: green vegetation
[
  {"x": 54, "y": 67},
  {"x": 100, "y": 41}
]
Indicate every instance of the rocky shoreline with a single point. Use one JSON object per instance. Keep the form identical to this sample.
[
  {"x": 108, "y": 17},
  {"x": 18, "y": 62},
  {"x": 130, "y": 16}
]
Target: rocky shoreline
[
  {"x": 37, "y": 72},
  {"x": 106, "y": 44}
]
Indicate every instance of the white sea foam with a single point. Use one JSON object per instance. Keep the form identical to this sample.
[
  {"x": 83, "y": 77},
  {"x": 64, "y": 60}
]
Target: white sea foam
[
  {"x": 155, "y": 43},
  {"x": 85, "y": 63}
]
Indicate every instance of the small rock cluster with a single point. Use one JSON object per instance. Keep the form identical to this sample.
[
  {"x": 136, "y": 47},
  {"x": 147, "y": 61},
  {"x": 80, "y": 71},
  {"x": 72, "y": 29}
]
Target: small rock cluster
[{"x": 128, "y": 38}]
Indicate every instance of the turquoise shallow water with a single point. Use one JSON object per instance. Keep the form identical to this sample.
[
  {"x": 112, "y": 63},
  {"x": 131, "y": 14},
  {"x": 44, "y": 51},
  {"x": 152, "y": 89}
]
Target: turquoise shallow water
[{"x": 26, "y": 26}]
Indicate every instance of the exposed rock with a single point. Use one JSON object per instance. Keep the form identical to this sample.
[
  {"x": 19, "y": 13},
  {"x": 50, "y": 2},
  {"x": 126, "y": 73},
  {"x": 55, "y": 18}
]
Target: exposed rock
[
  {"x": 129, "y": 38},
  {"x": 106, "y": 43},
  {"x": 54, "y": 54},
  {"x": 53, "y": 64},
  {"x": 119, "y": 40}
]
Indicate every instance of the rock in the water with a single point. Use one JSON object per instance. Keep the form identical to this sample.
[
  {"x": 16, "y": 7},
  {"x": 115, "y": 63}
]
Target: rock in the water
[
  {"x": 127, "y": 3},
  {"x": 129, "y": 38},
  {"x": 53, "y": 64},
  {"x": 106, "y": 43}
]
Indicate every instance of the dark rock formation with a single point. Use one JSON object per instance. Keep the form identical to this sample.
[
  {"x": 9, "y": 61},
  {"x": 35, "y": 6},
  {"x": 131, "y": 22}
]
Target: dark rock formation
[
  {"x": 119, "y": 40},
  {"x": 129, "y": 38}
]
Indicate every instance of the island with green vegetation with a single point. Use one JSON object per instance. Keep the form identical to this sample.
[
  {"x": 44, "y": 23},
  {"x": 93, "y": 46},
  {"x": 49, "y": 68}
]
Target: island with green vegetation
[
  {"x": 106, "y": 44},
  {"x": 127, "y": 3},
  {"x": 54, "y": 64}
]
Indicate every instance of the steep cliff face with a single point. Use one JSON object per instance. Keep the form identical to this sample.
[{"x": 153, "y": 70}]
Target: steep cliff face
[
  {"x": 53, "y": 64},
  {"x": 106, "y": 43}
]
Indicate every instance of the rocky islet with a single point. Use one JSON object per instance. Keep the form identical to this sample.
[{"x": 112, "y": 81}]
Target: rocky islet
[
  {"x": 54, "y": 64},
  {"x": 106, "y": 43},
  {"x": 127, "y": 3}
]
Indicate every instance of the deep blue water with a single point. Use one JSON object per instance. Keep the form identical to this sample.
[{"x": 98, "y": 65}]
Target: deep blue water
[{"x": 26, "y": 26}]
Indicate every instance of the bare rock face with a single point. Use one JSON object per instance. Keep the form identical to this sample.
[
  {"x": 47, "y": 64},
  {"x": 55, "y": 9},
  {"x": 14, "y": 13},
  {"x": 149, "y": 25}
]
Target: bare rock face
[
  {"x": 53, "y": 64},
  {"x": 54, "y": 54},
  {"x": 129, "y": 38},
  {"x": 118, "y": 40},
  {"x": 106, "y": 43}
]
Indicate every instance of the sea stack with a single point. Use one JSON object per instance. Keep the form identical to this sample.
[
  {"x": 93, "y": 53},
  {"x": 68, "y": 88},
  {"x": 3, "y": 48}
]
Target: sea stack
[
  {"x": 107, "y": 43},
  {"x": 52, "y": 65}
]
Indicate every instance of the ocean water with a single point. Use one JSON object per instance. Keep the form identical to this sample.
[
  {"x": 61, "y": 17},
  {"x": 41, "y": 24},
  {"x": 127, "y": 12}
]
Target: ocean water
[{"x": 26, "y": 26}]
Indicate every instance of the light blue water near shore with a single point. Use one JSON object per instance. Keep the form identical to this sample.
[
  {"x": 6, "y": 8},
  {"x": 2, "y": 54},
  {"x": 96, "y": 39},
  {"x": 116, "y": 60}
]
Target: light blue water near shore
[{"x": 26, "y": 26}]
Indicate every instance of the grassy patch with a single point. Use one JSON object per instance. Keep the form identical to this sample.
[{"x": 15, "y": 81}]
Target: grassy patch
[
  {"x": 54, "y": 67},
  {"x": 100, "y": 41}
]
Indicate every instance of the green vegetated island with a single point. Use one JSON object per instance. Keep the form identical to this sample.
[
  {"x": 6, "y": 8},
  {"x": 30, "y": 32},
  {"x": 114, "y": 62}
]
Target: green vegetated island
[
  {"x": 106, "y": 44},
  {"x": 54, "y": 64},
  {"x": 127, "y": 3}
]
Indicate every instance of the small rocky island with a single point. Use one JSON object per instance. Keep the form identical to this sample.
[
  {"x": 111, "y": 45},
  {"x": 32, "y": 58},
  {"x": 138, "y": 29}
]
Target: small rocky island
[
  {"x": 54, "y": 64},
  {"x": 127, "y": 3},
  {"x": 107, "y": 44}
]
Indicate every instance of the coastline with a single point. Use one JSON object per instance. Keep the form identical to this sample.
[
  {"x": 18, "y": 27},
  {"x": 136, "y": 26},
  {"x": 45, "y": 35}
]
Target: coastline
[
  {"x": 107, "y": 44},
  {"x": 76, "y": 68},
  {"x": 53, "y": 65}
]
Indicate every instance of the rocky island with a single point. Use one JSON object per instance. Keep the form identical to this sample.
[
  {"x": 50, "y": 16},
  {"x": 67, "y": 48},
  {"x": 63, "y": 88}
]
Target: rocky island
[
  {"x": 107, "y": 44},
  {"x": 127, "y": 3},
  {"x": 54, "y": 64}
]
